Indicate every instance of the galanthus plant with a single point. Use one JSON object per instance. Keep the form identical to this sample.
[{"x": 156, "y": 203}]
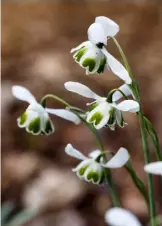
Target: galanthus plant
[
  {"x": 103, "y": 111},
  {"x": 92, "y": 167}
]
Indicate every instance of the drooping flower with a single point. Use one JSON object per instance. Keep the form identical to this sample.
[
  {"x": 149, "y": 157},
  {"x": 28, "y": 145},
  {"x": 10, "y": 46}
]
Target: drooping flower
[
  {"x": 92, "y": 54},
  {"x": 92, "y": 167},
  {"x": 101, "y": 113},
  {"x": 121, "y": 217},
  {"x": 154, "y": 168},
  {"x": 36, "y": 119}
]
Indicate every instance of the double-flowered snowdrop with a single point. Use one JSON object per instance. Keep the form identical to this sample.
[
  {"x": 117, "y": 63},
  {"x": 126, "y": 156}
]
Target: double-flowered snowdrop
[
  {"x": 154, "y": 168},
  {"x": 102, "y": 113},
  {"x": 93, "y": 56},
  {"x": 121, "y": 217},
  {"x": 92, "y": 167},
  {"x": 36, "y": 119}
]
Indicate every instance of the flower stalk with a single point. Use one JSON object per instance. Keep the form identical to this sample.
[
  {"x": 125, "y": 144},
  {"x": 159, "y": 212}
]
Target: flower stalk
[{"x": 135, "y": 90}]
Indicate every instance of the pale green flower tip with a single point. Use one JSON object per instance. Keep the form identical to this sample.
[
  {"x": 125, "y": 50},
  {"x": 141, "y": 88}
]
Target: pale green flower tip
[
  {"x": 21, "y": 121},
  {"x": 89, "y": 64},
  {"x": 95, "y": 118},
  {"x": 49, "y": 128},
  {"x": 34, "y": 126},
  {"x": 94, "y": 177}
]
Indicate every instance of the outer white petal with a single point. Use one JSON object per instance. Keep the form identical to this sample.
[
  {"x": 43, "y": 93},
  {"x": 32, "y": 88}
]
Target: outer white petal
[
  {"x": 104, "y": 109},
  {"x": 74, "y": 152},
  {"x": 81, "y": 89},
  {"x": 65, "y": 114},
  {"x": 94, "y": 154},
  {"x": 128, "y": 105},
  {"x": 110, "y": 27},
  {"x": 121, "y": 217},
  {"x": 80, "y": 46},
  {"x": 116, "y": 67},
  {"x": 23, "y": 94},
  {"x": 125, "y": 89},
  {"x": 96, "y": 34},
  {"x": 118, "y": 160},
  {"x": 154, "y": 168}
]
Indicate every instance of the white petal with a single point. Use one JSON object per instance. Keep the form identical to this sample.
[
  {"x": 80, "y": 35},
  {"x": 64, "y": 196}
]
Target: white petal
[
  {"x": 125, "y": 89},
  {"x": 23, "y": 94},
  {"x": 65, "y": 114},
  {"x": 96, "y": 34},
  {"x": 81, "y": 89},
  {"x": 154, "y": 168},
  {"x": 74, "y": 153},
  {"x": 80, "y": 46},
  {"x": 128, "y": 105},
  {"x": 121, "y": 217},
  {"x": 94, "y": 154},
  {"x": 103, "y": 109},
  {"x": 118, "y": 160},
  {"x": 110, "y": 27},
  {"x": 116, "y": 67}
]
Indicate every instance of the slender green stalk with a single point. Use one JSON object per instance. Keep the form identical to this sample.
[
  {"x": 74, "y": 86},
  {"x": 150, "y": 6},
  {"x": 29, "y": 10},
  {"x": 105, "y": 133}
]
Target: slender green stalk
[
  {"x": 143, "y": 134},
  {"x": 43, "y": 100}
]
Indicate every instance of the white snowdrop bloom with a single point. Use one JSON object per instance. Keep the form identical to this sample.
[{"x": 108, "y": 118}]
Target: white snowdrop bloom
[
  {"x": 36, "y": 119},
  {"x": 121, "y": 217},
  {"x": 101, "y": 113},
  {"x": 154, "y": 168},
  {"x": 91, "y": 168},
  {"x": 92, "y": 54}
]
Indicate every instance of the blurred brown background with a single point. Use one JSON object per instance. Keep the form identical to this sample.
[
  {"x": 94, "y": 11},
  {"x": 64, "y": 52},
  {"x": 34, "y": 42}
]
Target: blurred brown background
[{"x": 36, "y": 39}]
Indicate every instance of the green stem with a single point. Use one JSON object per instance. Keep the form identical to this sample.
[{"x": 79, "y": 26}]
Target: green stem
[
  {"x": 144, "y": 136},
  {"x": 110, "y": 95},
  {"x": 137, "y": 181},
  {"x": 43, "y": 100}
]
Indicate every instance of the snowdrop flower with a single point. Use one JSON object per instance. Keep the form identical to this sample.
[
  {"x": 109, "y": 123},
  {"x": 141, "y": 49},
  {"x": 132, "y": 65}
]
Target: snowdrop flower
[
  {"x": 36, "y": 119},
  {"x": 92, "y": 54},
  {"x": 154, "y": 168},
  {"x": 92, "y": 167},
  {"x": 121, "y": 217},
  {"x": 101, "y": 113}
]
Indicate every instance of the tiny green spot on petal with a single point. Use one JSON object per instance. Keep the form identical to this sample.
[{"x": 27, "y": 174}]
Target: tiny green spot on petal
[
  {"x": 82, "y": 170},
  {"x": 93, "y": 176},
  {"x": 102, "y": 66},
  {"x": 79, "y": 54},
  {"x": 34, "y": 126},
  {"x": 96, "y": 118},
  {"x": 90, "y": 63},
  {"x": 49, "y": 127},
  {"x": 23, "y": 118}
]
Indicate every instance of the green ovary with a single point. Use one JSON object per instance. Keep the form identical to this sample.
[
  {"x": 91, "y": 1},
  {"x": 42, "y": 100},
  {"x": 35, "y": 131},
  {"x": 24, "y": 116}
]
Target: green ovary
[
  {"x": 93, "y": 175},
  {"x": 34, "y": 125},
  {"x": 102, "y": 66},
  {"x": 23, "y": 118},
  {"x": 79, "y": 54},
  {"x": 96, "y": 118},
  {"x": 90, "y": 63}
]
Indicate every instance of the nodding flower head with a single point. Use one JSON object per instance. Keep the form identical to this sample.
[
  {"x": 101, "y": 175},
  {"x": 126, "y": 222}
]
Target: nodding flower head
[
  {"x": 36, "y": 118},
  {"x": 92, "y": 55},
  {"x": 91, "y": 168},
  {"x": 101, "y": 113}
]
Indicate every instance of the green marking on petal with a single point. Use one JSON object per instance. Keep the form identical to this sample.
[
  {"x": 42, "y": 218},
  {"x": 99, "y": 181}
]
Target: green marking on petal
[
  {"x": 82, "y": 170},
  {"x": 92, "y": 106},
  {"x": 96, "y": 118},
  {"x": 34, "y": 126},
  {"x": 102, "y": 65},
  {"x": 93, "y": 176},
  {"x": 90, "y": 63},
  {"x": 49, "y": 127},
  {"x": 112, "y": 117},
  {"x": 79, "y": 54},
  {"x": 23, "y": 118}
]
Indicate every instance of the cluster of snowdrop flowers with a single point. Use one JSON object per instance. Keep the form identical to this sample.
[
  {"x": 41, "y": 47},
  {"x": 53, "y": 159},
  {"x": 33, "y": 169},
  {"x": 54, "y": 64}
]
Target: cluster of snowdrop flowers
[
  {"x": 92, "y": 167},
  {"x": 101, "y": 112},
  {"x": 36, "y": 118},
  {"x": 93, "y": 56}
]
